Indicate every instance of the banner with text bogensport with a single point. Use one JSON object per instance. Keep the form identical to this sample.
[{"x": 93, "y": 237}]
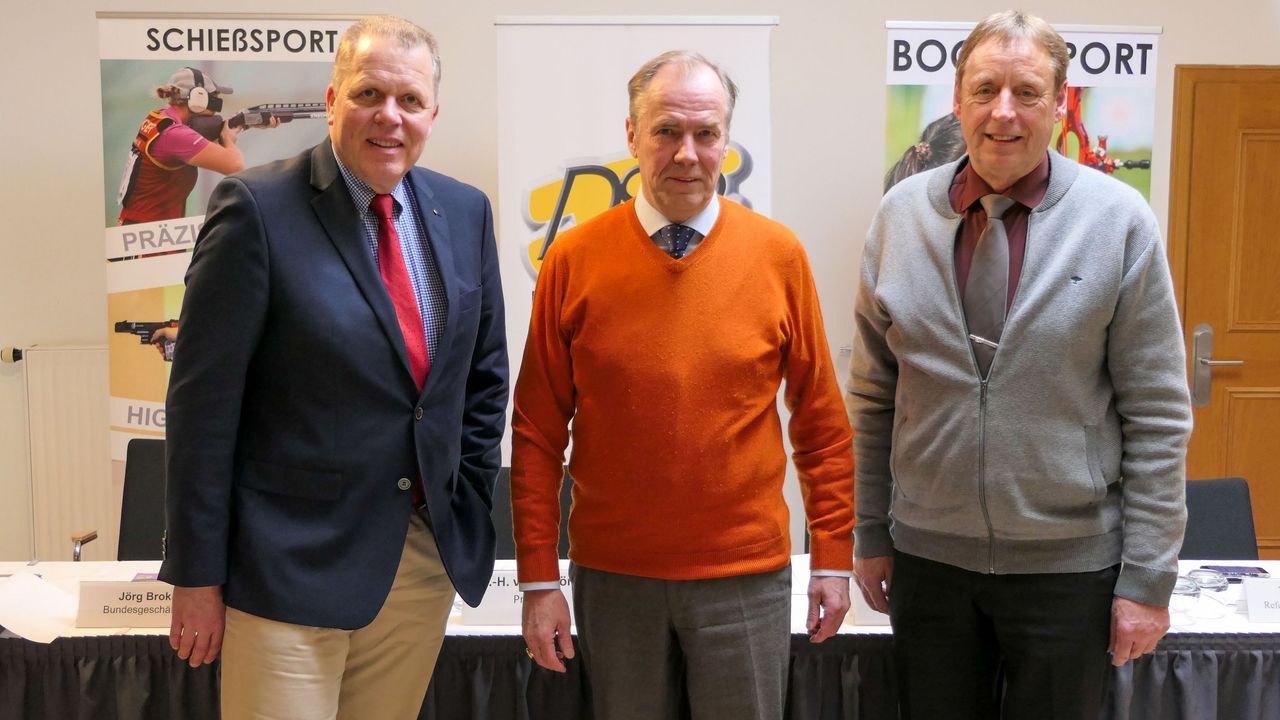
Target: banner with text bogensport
[{"x": 1111, "y": 98}]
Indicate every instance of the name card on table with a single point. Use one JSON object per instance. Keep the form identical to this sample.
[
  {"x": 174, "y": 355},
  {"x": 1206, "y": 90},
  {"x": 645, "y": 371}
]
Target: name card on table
[
  {"x": 1263, "y": 598},
  {"x": 124, "y": 604},
  {"x": 503, "y": 601}
]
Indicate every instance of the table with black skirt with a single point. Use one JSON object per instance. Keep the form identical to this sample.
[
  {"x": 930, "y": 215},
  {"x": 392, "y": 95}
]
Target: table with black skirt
[{"x": 1196, "y": 673}]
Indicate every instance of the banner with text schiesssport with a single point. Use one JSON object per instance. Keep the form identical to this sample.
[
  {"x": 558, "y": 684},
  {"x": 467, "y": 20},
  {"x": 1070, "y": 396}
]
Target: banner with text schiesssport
[
  {"x": 1111, "y": 99},
  {"x": 162, "y": 80},
  {"x": 562, "y": 145}
]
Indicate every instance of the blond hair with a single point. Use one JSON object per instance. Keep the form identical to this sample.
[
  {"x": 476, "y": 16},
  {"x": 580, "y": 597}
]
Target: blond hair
[
  {"x": 639, "y": 83},
  {"x": 390, "y": 27},
  {"x": 1011, "y": 26}
]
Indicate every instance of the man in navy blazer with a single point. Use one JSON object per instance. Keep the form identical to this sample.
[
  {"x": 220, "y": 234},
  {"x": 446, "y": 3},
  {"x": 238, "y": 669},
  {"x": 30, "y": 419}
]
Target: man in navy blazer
[{"x": 319, "y": 499}]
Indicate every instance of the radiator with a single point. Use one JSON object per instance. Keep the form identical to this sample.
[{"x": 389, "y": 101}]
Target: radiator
[{"x": 72, "y": 484}]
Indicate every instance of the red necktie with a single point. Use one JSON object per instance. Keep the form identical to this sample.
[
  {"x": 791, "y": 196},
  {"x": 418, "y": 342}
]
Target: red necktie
[{"x": 396, "y": 277}]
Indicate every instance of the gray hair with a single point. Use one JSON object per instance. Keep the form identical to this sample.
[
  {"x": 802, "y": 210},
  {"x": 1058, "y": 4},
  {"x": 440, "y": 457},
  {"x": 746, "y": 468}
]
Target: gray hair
[
  {"x": 639, "y": 83},
  {"x": 389, "y": 27}
]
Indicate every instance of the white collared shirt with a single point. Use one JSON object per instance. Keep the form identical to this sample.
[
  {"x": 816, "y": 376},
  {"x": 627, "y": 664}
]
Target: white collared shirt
[{"x": 652, "y": 220}]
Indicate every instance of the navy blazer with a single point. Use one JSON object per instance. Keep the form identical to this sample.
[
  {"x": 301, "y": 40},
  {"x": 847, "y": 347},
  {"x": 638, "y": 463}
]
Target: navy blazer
[{"x": 292, "y": 410}]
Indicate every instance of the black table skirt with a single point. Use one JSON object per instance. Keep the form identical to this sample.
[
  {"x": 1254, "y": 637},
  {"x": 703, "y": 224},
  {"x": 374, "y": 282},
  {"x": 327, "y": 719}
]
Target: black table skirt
[
  {"x": 1197, "y": 677},
  {"x": 103, "y": 678},
  {"x": 1201, "y": 676}
]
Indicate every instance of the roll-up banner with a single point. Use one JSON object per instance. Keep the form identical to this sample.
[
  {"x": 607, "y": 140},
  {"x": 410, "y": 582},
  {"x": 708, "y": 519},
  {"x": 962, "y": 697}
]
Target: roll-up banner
[
  {"x": 158, "y": 168},
  {"x": 562, "y": 106},
  {"x": 1111, "y": 98}
]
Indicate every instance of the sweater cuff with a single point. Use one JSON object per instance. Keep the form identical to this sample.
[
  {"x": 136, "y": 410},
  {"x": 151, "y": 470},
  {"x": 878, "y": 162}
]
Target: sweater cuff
[
  {"x": 831, "y": 553},
  {"x": 873, "y": 540},
  {"x": 538, "y": 565},
  {"x": 1144, "y": 585}
]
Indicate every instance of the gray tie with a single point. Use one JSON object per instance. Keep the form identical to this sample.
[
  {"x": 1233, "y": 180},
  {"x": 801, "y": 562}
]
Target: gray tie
[{"x": 987, "y": 288}]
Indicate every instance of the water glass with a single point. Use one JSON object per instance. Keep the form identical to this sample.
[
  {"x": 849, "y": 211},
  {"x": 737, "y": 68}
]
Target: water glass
[
  {"x": 1184, "y": 602},
  {"x": 1212, "y": 585}
]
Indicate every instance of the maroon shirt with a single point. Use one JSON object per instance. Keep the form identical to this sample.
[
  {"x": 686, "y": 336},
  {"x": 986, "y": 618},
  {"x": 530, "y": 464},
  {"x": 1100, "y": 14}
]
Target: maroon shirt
[{"x": 967, "y": 190}]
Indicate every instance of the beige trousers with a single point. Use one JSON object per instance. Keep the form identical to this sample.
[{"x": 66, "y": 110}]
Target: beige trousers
[{"x": 279, "y": 671}]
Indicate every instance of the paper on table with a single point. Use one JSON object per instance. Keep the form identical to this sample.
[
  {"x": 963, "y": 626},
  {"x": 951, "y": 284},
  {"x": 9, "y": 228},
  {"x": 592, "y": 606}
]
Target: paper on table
[{"x": 33, "y": 609}]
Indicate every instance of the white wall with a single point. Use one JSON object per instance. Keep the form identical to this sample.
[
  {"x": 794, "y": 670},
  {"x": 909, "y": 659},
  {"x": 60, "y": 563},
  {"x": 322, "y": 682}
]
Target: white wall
[{"x": 828, "y": 121}]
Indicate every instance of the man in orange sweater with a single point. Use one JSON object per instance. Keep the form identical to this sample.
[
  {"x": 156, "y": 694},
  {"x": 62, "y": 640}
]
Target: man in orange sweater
[{"x": 663, "y": 329}]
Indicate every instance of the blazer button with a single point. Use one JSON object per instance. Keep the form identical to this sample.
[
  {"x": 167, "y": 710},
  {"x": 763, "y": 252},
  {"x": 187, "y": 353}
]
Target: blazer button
[
  {"x": 417, "y": 413},
  {"x": 403, "y": 483}
]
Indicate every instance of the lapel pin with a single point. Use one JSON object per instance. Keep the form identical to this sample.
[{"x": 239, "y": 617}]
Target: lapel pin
[{"x": 435, "y": 211}]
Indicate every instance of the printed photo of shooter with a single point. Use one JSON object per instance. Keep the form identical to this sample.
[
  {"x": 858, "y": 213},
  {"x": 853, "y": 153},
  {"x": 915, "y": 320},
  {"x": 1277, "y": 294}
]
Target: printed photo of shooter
[
  {"x": 172, "y": 129},
  {"x": 159, "y": 134}
]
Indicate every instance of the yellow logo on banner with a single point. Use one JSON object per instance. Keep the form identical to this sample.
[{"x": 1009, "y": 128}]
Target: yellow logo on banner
[{"x": 588, "y": 190}]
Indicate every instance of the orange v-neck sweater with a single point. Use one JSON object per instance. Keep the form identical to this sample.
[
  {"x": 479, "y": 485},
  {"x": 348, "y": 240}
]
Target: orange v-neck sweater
[{"x": 670, "y": 370}]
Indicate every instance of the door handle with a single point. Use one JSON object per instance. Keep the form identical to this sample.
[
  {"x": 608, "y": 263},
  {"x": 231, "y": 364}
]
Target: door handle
[{"x": 1202, "y": 371}]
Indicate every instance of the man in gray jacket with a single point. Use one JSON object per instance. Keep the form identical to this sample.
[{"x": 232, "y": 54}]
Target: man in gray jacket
[{"x": 1020, "y": 404}]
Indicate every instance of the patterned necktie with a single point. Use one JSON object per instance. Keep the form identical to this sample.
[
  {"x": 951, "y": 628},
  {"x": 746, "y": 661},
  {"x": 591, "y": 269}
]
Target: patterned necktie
[
  {"x": 396, "y": 277},
  {"x": 674, "y": 239},
  {"x": 987, "y": 288}
]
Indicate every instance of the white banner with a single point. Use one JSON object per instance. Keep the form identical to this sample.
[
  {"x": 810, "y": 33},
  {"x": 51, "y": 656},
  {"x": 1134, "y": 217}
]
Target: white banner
[
  {"x": 266, "y": 66},
  {"x": 562, "y": 106},
  {"x": 183, "y": 37},
  {"x": 137, "y": 415},
  {"x": 1111, "y": 99},
  {"x": 925, "y": 54},
  {"x": 127, "y": 241}
]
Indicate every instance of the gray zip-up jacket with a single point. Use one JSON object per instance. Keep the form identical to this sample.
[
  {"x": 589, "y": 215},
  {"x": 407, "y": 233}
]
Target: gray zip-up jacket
[{"x": 1070, "y": 457}]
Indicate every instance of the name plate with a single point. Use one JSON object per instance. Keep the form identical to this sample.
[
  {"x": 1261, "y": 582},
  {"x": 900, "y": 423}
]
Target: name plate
[
  {"x": 1263, "y": 598},
  {"x": 503, "y": 601},
  {"x": 124, "y": 604}
]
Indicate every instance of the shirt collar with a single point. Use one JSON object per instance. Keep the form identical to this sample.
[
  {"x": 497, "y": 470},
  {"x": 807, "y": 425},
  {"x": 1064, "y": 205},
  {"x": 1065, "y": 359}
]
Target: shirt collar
[
  {"x": 362, "y": 194},
  {"x": 1028, "y": 191},
  {"x": 652, "y": 221}
]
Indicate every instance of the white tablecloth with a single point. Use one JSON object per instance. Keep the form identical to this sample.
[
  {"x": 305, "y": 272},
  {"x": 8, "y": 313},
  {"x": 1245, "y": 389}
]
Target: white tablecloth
[{"x": 66, "y": 576}]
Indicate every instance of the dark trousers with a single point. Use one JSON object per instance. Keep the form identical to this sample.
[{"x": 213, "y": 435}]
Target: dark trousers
[{"x": 971, "y": 645}]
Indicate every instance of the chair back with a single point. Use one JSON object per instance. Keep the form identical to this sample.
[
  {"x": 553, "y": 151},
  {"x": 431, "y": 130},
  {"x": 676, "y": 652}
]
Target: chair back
[
  {"x": 1219, "y": 521},
  {"x": 142, "y": 508},
  {"x": 502, "y": 515}
]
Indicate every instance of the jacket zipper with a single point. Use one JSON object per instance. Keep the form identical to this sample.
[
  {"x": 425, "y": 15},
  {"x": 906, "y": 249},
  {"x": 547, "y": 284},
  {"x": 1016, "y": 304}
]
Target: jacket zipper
[
  {"x": 982, "y": 408},
  {"x": 982, "y": 477},
  {"x": 982, "y": 412}
]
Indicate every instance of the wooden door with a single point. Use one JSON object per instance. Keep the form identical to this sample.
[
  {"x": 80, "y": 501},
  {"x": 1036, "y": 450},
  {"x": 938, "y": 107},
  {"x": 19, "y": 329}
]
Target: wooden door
[{"x": 1224, "y": 243}]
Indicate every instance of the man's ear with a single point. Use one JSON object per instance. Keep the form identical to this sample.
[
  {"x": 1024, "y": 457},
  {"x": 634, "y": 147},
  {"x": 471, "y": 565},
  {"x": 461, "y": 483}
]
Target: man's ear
[
  {"x": 1060, "y": 103},
  {"x": 631, "y": 138}
]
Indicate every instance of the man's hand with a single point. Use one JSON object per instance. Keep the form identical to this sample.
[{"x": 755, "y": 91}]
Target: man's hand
[
  {"x": 1136, "y": 628},
  {"x": 162, "y": 335},
  {"x": 545, "y": 619},
  {"x": 875, "y": 578},
  {"x": 828, "y": 603},
  {"x": 198, "y": 620}
]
